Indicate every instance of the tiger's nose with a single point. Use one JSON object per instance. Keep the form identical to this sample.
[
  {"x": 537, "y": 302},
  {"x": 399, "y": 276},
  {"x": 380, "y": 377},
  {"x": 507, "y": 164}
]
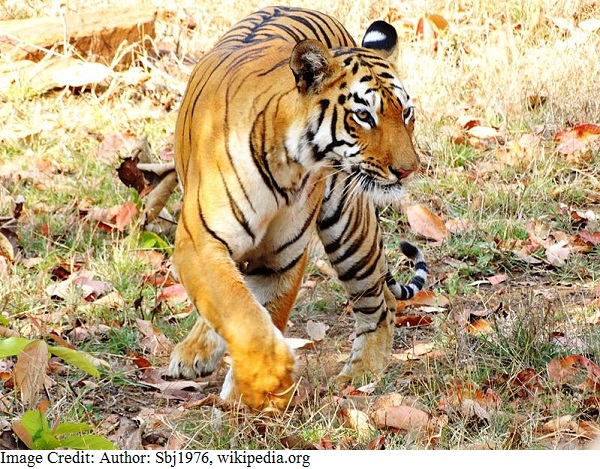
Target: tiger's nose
[{"x": 400, "y": 173}]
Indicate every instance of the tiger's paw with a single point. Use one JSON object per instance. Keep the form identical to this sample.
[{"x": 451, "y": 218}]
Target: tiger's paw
[
  {"x": 263, "y": 380},
  {"x": 198, "y": 354},
  {"x": 370, "y": 354}
]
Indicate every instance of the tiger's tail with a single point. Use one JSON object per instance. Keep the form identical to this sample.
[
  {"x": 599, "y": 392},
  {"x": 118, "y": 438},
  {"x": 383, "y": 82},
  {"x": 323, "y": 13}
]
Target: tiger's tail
[{"x": 406, "y": 292}]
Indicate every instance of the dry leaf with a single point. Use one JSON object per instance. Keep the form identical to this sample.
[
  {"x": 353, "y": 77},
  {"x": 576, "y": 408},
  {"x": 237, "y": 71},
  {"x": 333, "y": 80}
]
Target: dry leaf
[
  {"x": 395, "y": 399},
  {"x": 124, "y": 215},
  {"x": 413, "y": 321},
  {"x": 30, "y": 371},
  {"x": 483, "y": 132},
  {"x": 6, "y": 248},
  {"x": 558, "y": 253},
  {"x": 576, "y": 139},
  {"x": 576, "y": 370},
  {"x": 470, "y": 408},
  {"x": 479, "y": 326},
  {"x": 497, "y": 279},
  {"x": 590, "y": 25},
  {"x": 401, "y": 418},
  {"x": 111, "y": 145},
  {"x": 325, "y": 268},
  {"x": 430, "y": 27},
  {"x": 153, "y": 340},
  {"x": 593, "y": 239},
  {"x": 131, "y": 175},
  {"x": 316, "y": 330},
  {"x": 356, "y": 420},
  {"x": 296, "y": 343},
  {"x": 468, "y": 122},
  {"x": 377, "y": 443},
  {"x": 174, "y": 294},
  {"x": 424, "y": 222},
  {"x": 458, "y": 225},
  {"x": 83, "y": 74},
  {"x": 423, "y": 298},
  {"x": 413, "y": 353}
]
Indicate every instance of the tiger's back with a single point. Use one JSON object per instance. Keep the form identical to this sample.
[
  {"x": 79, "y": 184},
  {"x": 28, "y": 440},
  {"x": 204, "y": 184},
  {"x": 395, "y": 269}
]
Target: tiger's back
[{"x": 258, "y": 147}]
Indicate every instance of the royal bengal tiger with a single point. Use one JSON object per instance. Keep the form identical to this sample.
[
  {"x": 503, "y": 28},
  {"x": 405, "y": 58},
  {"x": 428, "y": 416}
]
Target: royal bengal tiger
[{"x": 287, "y": 127}]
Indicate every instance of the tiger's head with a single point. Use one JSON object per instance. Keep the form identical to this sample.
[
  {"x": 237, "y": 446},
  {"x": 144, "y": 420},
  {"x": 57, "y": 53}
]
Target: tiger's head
[{"x": 359, "y": 118}]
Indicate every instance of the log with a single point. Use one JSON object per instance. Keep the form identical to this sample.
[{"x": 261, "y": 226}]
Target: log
[{"x": 95, "y": 35}]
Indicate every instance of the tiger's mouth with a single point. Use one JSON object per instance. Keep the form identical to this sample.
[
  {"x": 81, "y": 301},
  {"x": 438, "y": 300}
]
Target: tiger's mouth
[{"x": 377, "y": 187}]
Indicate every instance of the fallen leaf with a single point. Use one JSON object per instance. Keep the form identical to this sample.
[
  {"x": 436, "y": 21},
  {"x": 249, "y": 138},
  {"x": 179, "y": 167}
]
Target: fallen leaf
[
  {"x": 590, "y": 25},
  {"x": 395, "y": 399},
  {"x": 153, "y": 340},
  {"x": 468, "y": 122},
  {"x": 6, "y": 248},
  {"x": 30, "y": 371},
  {"x": 413, "y": 321},
  {"x": 356, "y": 420},
  {"x": 91, "y": 289},
  {"x": 131, "y": 175},
  {"x": 527, "y": 258},
  {"x": 413, "y": 353},
  {"x": 469, "y": 401},
  {"x": 297, "y": 343},
  {"x": 576, "y": 139},
  {"x": 173, "y": 387},
  {"x": 470, "y": 408},
  {"x": 158, "y": 197},
  {"x": 593, "y": 239},
  {"x": 526, "y": 382},
  {"x": 124, "y": 215},
  {"x": 325, "y": 268},
  {"x": 483, "y": 132},
  {"x": 497, "y": 279},
  {"x": 422, "y": 221},
  {"x": 429, "y": 28},
  {"x": 316, "y": 330},
  {"x": 562, "y": 423},
  {"x": 458, "y": 225},
  {"x": 82, "y": 74},
  {"x": 558, "y": 253},
  {"x": 575, "y": 370},
  {"x": 174, "y": 294},
  {"x": 111, "y": 145},
  {"x": 377, "y": 443},
  {"x": 424, "y": 298},
  {"x": 479, "y": 326},
  {"x": 401, "y": 418}
]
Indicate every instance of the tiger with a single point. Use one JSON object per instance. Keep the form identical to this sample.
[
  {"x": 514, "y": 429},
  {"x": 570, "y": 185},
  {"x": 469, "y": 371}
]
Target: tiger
[{"x": 288, "y": 129}]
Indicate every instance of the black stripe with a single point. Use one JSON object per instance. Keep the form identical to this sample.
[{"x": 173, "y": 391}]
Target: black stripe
[
  {"x": 352, "y": 272},
  {"x": 212, "y": 233},
  {"x": 346, "y": 233},
  {"x": 238, "y": 213},
  {"x": 305, "y": 226},
  {"x": 270, "y": 271},
  {"x": 375, "y": 290},
  {"x": 369, "y": 310}
]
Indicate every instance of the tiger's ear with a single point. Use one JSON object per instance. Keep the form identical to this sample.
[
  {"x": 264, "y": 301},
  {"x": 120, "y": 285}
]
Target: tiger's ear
[
  {"x": 311, "y": 63},
  {"x": 383, "y": 39}
]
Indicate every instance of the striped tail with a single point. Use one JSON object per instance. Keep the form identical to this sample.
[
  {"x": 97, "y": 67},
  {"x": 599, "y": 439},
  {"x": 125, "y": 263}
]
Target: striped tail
[{"x": 406, "y": 292}]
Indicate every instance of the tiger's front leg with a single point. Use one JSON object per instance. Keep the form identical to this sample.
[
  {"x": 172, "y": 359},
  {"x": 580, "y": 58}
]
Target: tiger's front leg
[
  {"x": 263, "y": 364},
  {"x": 349, "y": 229}
]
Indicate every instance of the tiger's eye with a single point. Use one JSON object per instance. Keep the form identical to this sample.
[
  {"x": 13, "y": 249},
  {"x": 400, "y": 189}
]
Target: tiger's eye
[{"x": 363, "y": 115}]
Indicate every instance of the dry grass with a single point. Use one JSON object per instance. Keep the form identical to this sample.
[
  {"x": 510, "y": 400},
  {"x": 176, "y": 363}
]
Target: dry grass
[{"x": 494, "y": 59}]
